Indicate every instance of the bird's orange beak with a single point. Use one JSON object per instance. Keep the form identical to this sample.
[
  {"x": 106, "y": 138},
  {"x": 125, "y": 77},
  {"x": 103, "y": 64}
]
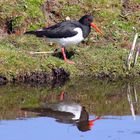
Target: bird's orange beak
[{"x": 96, "y": 28}]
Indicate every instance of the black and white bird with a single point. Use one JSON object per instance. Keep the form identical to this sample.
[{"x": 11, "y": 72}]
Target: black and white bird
[
  {"x": 68, "y": 32},
  {"x": 65, "y": 111}
]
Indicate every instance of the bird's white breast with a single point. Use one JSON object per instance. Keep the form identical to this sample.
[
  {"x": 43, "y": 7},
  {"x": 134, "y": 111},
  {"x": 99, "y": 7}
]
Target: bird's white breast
[
  {"x": 73, "y": 108},
  {"x": 70, "y": 40}
]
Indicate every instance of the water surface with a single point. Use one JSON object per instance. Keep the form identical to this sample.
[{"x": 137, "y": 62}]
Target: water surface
[{"x": 78, "y": 110}]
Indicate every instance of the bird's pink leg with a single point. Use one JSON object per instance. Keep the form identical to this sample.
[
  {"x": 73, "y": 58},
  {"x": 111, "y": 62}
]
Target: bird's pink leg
[
  {"x": 64, "y": 56},
  {"x": 62, "y": 96}
]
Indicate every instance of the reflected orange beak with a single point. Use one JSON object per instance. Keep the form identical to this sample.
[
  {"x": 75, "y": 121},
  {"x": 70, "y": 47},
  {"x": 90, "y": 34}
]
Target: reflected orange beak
[
  {"x": 90, "y": 123},
  {"x": 96, "y": 28}
]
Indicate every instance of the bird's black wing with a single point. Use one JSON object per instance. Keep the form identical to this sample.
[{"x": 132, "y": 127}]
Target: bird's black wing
[{"x": 60, "y": 30}]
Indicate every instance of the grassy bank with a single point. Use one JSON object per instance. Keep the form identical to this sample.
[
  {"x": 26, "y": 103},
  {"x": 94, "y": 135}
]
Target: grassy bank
[{"x": 97, "y": 56}]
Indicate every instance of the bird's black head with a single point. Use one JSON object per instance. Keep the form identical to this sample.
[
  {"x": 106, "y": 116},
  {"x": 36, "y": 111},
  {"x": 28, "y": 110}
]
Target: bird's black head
[{"x": 86, "y": 20}]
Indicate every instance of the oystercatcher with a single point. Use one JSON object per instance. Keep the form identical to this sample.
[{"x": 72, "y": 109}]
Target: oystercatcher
[
  {"x": 68, "y": 32},
  {"x": 66, "y": 111}
]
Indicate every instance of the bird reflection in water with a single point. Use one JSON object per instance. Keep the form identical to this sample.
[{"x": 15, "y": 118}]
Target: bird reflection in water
[{"x": 65, "y": 112}]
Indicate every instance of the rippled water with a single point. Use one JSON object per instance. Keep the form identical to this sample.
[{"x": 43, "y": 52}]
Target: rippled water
[{"x": 79, "y": 110}]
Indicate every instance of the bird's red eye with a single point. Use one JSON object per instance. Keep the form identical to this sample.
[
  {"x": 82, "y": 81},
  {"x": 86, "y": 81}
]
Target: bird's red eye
[{"x": 87, "y": 19}]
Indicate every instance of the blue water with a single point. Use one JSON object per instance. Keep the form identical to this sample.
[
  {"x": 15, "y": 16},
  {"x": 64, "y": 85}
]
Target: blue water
[
  {"x": 40, "y": 113},
  {"x": 45, "y": 128}
]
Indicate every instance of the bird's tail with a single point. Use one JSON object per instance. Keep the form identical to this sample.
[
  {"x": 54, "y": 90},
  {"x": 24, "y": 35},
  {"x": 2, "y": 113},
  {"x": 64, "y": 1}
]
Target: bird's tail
[
  {"x": 40, "y": 33},
  {"x": 30, "y": 32}
]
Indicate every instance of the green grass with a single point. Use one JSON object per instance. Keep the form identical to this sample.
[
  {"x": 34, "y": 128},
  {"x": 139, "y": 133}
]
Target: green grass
[
  {"x": 15, "y": 58},
  {"x": 22, "y": 12},
  {"x": 97, "y": 55}
]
